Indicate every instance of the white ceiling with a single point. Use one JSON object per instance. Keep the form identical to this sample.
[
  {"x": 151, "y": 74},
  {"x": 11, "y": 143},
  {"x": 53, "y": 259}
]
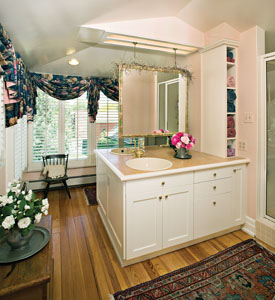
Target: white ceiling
[{"x": 43, "y": 30}]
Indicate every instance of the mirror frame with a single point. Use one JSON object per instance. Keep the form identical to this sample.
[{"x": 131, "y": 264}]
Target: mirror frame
[{"x": 135, "y": 66}]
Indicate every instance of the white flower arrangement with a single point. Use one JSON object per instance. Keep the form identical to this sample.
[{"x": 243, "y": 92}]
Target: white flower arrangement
[{"x": 20, "y": 209}]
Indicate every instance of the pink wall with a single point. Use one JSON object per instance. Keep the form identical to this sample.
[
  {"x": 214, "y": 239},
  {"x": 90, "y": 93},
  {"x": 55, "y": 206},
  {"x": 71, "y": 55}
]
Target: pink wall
[
  {"x": 193, "y": 62},
  {"x": 220, "y": 32},
  {"x": 251, "y": 45}
]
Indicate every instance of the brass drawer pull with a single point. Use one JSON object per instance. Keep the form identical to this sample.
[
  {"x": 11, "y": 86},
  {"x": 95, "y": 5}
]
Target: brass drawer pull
[
  {"x": 160, "y": 197},
  {"x": 214, "y": 188},
  {"x": 166, "y": 196},
  {"x": 235, "y": 170},
  {"x": 214, "y": 174},
  {"x": 214, "y": 203},
  {"x": 163, "y": 183}
]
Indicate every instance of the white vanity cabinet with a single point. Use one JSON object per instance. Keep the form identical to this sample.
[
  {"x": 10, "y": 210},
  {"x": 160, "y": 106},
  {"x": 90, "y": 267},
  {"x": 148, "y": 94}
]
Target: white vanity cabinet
[
  {"x": 218, "y": 200},
  {"x": 149, "y": 213},
  {"x": 159, "y": 213}
]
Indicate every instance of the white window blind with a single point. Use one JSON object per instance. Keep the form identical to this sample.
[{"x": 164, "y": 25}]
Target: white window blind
[
  {"x": 24, "y": 144},
  {"x": 60, "y": 127},
  {"x": 17, "y": 150},
  {"x": 45, "y": 127},
  {"x": 76, "y": 127},
  {"x": 2, "y": 122},
  {"x": 107, "y": 123}
]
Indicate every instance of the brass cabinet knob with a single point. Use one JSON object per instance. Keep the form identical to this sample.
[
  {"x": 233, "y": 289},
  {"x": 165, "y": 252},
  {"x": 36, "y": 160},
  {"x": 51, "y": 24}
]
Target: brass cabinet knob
[
  {"x": 234, "y": 170},
  {"x": 214, "y": 188},
  {"x": 160, "y": 197},
  {"x": 214, "y": 174},
  {"x": 166, "y": 196},
  {"x": 163, "y": 183},
  {"x": 214, "y": 203}
]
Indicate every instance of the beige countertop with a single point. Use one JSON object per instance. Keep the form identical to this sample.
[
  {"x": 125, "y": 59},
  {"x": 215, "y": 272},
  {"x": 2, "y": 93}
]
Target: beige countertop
[{"x": 199, "y": 161}]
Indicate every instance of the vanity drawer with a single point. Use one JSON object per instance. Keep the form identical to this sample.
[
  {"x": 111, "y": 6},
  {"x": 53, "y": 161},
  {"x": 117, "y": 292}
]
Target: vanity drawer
[
  {"x": 151, "y": 184},
  {"x": 212, "y": 174},
  {"x": 213, "y": 187}
]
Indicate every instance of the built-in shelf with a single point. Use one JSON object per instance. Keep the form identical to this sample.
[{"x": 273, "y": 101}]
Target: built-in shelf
[{"x": 223, "y": 82}]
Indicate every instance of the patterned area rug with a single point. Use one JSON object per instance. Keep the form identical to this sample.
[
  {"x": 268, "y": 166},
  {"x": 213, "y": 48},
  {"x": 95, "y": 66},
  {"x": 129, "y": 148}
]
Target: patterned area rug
[
  {"x": 90, "y": 194},
  {"x": 242, "y": 272}
]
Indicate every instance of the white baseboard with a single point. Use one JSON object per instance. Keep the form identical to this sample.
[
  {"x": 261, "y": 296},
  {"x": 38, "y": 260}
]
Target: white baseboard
[
  {"x": 249, "y": 226},
  {"x": 39, "y": 185}
]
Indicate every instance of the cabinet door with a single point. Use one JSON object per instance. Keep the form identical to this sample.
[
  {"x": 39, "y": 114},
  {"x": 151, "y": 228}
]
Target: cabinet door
[
  {"x": 177, "y": 215},
  {"x": 238, "y": 195},
  {"x": 144, "y": 224},
  {"x": 102, "y": 185},
  {"x": 212, "y": 207}
]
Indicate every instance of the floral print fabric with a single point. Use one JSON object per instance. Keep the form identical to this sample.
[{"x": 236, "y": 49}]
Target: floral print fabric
[
  {"x": 21, "y": 85},
  {"x": 64, "y": 87}
]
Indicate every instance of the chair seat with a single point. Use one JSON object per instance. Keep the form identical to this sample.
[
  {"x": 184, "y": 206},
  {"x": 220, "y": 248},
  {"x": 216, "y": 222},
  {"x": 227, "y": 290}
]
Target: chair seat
[
  {"x": 56, "y": 180},
  {"x": 55, "y": 171}
]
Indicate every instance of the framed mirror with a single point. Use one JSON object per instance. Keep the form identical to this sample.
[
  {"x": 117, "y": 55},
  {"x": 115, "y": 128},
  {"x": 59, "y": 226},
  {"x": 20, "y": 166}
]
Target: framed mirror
[{"x": 151, "y": 99}]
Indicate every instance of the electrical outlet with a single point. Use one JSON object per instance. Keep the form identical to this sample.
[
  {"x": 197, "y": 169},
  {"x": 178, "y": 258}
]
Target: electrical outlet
[
  {"x": 243, "y": 145},
  {"x": 248, "y": 117}
]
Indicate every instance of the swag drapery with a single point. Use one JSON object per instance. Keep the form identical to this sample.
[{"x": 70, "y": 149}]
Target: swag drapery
[
  {"x": 69, "y": 87},
  {"x": 21, "y": 85}
]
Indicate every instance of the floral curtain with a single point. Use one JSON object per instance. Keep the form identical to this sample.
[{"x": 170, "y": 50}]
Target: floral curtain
[
  {"x": 64, "y": 87},
  {"x": 21, "y": 85},
  {"x": 7, "y": 53},
  {"x": 21, "y": 93},
  {"x": 109, "y": 87}
]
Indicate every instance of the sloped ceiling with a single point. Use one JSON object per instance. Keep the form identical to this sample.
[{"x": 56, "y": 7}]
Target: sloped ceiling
[{"x": 43, "y": 31}]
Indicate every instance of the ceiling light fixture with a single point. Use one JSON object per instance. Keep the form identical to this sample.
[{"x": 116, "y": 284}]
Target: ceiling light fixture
[
  {"x": 124, "y": 40},
  {"x": 70, "y": 51},
  {"x": 142, "y": 46},
  {"x": 73, "y": 62}
]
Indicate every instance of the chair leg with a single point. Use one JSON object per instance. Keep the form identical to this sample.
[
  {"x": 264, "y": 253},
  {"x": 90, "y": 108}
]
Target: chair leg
[
  {"x": 46, "y": 190},
  {"x": 67, "y": 189}
]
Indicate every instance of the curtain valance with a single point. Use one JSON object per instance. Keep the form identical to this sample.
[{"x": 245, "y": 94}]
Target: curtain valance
[
  {"x": 21, "y": 85},
  {"x": 64, "y": 87}
]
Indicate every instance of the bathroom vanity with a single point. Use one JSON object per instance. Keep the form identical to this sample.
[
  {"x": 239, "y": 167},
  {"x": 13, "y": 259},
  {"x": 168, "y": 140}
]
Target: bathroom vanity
[{"x": 148, "y": 213}]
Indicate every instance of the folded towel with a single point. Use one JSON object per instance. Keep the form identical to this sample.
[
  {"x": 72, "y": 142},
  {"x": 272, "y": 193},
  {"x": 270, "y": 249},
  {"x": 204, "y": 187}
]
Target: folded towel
[
  {"x": 231, "y": 132},
  {"x": 230, "y": 122},
  {"x": 230, "y": 81},
  {"x": 231, "y": 96},
  {"x": 230, "y": 152},
  {"x": 230, "y": 54},
  {"x": 230, "y": 107}
]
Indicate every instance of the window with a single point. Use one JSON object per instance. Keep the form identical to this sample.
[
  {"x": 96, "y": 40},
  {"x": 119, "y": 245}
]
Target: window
[
  {"x": 20, "y": 147},
  {"x": 60, "y": 127},
  {"x": 107, "y": 123}
]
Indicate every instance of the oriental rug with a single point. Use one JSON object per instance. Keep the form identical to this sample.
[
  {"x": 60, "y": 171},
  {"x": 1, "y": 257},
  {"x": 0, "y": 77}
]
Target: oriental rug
[
  {"x": 242, "y": 272},
  {"x": 90, "y": 194}
]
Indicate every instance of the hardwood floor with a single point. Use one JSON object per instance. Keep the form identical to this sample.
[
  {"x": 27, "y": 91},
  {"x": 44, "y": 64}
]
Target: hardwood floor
[{"x": 85, "y": 264}]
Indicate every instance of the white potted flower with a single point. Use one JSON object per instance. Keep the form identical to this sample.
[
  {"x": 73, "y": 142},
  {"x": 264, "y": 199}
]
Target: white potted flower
[{"x": 19, "y": 212}]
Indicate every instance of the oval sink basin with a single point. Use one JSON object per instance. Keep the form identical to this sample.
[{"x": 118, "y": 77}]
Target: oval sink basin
[
  {"x": 122, "y": 151},
  {"x": 149, "y": 164}
]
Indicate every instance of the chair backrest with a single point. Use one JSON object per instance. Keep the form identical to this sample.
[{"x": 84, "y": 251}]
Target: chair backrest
[{"x": 56, "y": 159}]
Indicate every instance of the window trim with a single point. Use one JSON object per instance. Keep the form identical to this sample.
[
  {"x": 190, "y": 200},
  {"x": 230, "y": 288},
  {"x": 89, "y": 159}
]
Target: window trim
[{"x": 72, "y": 163}]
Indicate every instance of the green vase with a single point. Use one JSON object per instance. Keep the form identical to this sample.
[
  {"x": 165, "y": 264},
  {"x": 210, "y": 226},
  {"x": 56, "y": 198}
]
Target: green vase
[
  {"x": 182, "y": 153},
  {"x": 16, "y": 240}
]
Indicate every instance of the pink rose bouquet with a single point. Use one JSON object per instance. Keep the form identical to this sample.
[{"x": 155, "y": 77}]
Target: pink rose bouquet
[{"x": 183, "y": 140}]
